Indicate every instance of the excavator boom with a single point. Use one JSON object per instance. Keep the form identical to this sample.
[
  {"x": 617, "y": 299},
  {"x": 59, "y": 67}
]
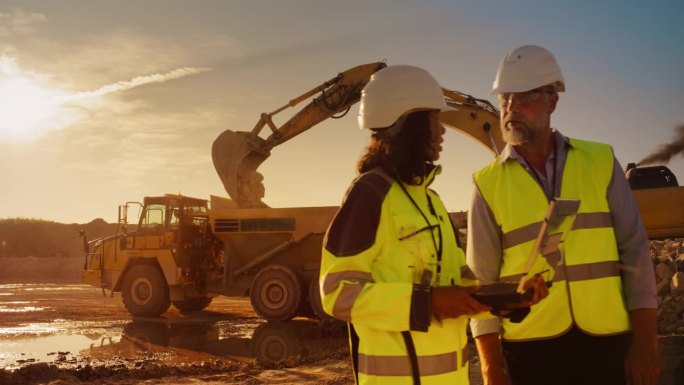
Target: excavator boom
[{"x": 238, "y": 154}]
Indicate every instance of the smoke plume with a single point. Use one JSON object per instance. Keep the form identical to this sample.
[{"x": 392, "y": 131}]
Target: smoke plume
[{"x": 666, "y": 151}]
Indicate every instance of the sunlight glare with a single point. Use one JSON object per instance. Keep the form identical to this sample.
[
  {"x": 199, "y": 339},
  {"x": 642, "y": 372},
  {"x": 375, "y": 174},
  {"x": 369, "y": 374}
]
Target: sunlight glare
[{"x": 27, "y": 106}]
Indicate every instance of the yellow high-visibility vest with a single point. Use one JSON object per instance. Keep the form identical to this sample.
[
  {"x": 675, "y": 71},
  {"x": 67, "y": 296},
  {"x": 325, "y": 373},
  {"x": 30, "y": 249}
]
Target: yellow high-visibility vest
[
  {"x": 371, "y": 286},
  {"x": 587, "y": 287}
]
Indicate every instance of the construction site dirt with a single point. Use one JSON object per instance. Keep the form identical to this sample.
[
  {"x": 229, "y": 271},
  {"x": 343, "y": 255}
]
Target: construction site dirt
[
  {"x": 64, "y": 334},
  {"x": 70, "y": 334}
]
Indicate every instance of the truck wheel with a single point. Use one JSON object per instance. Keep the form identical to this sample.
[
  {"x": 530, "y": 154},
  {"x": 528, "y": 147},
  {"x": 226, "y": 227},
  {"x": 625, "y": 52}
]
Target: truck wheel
[
  {"x": 273, "y": 342},
  {"x": 145, "y": 292},
  {"x": 315, "y": 300},
  {"x": 146, "y": 332},
  {"x": 275, "y": 293},
  {"x": 193, "y": 304}
]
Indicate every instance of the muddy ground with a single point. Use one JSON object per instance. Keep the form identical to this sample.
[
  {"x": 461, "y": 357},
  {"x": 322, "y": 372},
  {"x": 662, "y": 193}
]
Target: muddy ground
[
  {"x": 64, "y": 334},
  {"x": 70, "y": 334}
]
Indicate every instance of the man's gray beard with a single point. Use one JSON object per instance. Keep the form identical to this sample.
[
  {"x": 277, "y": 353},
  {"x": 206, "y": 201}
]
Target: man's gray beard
[{"x": 516, "y": 137}]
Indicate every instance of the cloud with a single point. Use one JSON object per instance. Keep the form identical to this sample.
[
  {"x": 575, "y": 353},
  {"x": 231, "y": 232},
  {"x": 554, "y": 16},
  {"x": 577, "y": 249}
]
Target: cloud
[
  {"x": 139, "y": 81},
  {"x": 17, "y": 21}
]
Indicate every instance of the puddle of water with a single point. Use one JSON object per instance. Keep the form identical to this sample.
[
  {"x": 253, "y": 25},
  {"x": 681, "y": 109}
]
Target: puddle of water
[
  {"x": 15, "y": 352},
  {"x": 9, "y": 289},
  {"x": 30, "y": 329},
  {"x": 168, "y": 342},
  {"x": 11, "y": 307},
  {"x": 5, "y": 309}
]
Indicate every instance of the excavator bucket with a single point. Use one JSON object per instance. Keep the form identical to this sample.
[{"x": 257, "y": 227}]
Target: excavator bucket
[{"x": 236, "y": 156}]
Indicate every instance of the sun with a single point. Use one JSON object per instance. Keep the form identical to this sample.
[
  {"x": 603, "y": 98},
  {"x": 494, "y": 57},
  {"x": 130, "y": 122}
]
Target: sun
[{"x": 28, "y": 106}]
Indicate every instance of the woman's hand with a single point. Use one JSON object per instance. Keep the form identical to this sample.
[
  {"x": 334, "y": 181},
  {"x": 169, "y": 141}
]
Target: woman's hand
[{"x": 456, "y": 301}]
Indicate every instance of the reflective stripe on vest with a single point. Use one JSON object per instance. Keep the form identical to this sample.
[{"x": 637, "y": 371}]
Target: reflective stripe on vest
[
  {"x": 586, "y": 265},
  {"x": 580, "y": 272},
  {"x": 529, "y": 232},
  {"x": 400, "y": 365}
]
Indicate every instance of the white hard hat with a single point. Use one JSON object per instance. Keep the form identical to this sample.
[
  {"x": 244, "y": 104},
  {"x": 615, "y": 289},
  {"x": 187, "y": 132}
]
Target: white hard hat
[
  {"x": 396, "y": 90},
  {"x": 526, "y": 68}
]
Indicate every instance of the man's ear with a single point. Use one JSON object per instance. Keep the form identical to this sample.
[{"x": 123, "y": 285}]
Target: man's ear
[{"x": 553, "y": 100}]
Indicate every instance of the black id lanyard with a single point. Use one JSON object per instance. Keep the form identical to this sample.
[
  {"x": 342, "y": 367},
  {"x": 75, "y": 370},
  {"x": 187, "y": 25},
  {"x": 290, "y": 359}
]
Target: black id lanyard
[{"x": 438, "y": 247}]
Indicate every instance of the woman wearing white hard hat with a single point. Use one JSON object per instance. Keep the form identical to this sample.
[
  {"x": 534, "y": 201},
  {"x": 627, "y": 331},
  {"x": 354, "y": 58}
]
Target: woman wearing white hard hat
[{"x": 391, "y": 264}]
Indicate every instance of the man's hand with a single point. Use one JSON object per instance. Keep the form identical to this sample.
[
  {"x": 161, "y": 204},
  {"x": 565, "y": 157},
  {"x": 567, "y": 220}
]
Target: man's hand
[
  {"x": 539, "y": 288},
  {"x": 642, "y": 365},
  {"x": 456, "y": 301}
]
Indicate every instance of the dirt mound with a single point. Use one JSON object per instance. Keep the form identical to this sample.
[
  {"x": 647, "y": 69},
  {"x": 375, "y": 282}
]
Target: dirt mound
[{"x": 668, "y": 259}]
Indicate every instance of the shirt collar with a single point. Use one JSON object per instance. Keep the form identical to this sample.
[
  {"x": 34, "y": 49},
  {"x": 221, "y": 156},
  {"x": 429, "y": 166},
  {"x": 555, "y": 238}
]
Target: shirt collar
[
  {"x": 432, "y": 171},
  {"x": 509, "y": 151}
]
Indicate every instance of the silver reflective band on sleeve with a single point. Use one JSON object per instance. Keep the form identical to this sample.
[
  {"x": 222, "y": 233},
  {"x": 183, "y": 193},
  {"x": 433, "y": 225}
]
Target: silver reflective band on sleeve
[
  {"x": 529, "y": 232},
  {"x": 467, "y": 273},
  {"x": 333, "y": 280},
  {"x": 345, "y": 301},
  {"x": 401, "y": 366},
  {"x": 588, "y": 271}
]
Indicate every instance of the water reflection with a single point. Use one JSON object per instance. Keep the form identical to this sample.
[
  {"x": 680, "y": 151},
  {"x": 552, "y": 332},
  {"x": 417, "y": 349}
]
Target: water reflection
[{"x": 195, "y": 340}]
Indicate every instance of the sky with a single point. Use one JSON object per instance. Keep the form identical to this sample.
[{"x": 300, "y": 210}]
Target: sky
[{"x": 105, "y": 102}]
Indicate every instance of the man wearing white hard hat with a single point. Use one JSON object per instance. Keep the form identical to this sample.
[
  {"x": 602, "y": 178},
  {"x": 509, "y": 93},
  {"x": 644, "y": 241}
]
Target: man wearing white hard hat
[{"x": 598, "y": 324}]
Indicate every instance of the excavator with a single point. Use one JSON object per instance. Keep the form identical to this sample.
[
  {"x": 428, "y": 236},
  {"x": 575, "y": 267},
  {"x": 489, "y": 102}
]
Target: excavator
[
  {"x": 237, "y": 154},
  {"x": 184, "y": 251}
]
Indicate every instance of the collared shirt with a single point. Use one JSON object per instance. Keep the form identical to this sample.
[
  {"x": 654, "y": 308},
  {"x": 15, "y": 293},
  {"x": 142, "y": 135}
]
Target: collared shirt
[{"x": 484, "y": 250}]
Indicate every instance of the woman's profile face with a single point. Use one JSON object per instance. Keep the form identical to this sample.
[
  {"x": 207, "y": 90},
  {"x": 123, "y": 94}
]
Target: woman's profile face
[{"x": 436, "y": 133}]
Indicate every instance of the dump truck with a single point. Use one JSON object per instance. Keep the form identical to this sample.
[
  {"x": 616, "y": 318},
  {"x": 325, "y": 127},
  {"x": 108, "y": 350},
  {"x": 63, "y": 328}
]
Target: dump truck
[{"x": 183, "y": 251}]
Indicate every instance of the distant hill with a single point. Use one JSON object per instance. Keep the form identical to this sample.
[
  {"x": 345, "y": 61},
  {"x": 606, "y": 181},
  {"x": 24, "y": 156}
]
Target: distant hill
[{"x": 43, "y": 251}]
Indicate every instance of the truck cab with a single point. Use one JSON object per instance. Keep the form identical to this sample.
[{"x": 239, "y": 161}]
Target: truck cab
[{"x": 167, "y": 258}]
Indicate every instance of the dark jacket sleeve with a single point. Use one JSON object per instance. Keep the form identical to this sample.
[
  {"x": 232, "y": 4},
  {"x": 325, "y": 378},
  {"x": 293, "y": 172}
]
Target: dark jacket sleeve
[{"x": 356, "y": 223}]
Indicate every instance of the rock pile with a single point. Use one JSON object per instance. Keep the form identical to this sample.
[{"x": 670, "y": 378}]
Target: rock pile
[{"x": 668, "y": 259}]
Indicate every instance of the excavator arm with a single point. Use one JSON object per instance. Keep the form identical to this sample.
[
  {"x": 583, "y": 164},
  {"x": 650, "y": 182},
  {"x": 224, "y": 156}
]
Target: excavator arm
[
  {"x": 477, "y": 118},
  {"x": 238, "y": 154}
]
